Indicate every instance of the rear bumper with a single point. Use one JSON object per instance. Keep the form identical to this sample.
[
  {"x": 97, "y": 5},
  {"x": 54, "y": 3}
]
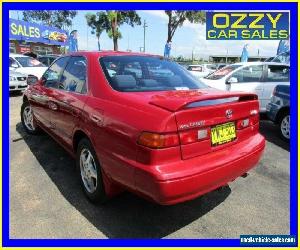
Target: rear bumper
[{"x": 194, "y": 177}]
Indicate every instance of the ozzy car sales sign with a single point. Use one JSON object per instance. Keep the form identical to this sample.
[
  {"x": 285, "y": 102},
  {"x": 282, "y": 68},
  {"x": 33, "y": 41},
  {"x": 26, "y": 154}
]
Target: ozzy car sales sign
[
  {"x": 247, "y": 25},
  {"x": 33, "y": 32}
]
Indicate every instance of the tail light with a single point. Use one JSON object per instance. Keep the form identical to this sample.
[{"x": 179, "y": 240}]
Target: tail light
[
  {"x": 155, "y": 140},
  {"x": 250, "y": 121},
  {"x": 194, "y": 135}
]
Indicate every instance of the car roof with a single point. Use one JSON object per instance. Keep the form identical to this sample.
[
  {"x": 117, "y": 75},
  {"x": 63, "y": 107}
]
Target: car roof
[
  {"x": 103, "y": 53},
  {"x": 260, "y": 63},
  {"x": 17, "y": 55}
]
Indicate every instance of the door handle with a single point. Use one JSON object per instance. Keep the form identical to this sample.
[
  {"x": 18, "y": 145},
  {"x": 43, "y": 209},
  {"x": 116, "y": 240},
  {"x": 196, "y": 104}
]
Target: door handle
[{"x": 96, "y": 119}]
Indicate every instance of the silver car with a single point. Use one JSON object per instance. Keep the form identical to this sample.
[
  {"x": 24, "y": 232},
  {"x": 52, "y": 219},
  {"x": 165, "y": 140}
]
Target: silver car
[{"x": 17, "y": 81}]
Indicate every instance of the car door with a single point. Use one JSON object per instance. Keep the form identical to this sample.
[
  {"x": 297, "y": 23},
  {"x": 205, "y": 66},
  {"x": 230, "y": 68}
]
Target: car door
[
  {"x": 69, "y": 98},
  {"x": 248, "y": 79},
  {"x": 276, "y": 75},
  {"x": 40, "y": 95}
]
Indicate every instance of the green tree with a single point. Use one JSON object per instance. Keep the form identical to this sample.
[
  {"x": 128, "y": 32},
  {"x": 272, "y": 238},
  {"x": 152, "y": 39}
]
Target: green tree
[
  {"x": 118, "y": 18},
  {"x": 58, "y": 18},
  {"x": 98, "y": 22},
  {"x": 176, "y": 19}
]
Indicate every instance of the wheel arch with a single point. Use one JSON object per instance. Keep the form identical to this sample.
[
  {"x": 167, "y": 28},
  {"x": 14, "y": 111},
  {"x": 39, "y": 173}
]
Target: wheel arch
[
  {"x": 77, "y": 137},
  {"x": 281, "y": 112}
]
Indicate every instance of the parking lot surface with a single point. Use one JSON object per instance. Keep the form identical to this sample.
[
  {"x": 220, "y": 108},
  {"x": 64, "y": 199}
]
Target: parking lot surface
[{"x": 46, "y": 200}]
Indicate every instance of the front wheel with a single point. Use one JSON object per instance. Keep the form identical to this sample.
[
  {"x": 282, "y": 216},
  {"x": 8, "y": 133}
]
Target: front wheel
[
  {"x": 284, "y": 124},
  {"x": 89, "y": 171},
  {"x": 27, "y": 119}
]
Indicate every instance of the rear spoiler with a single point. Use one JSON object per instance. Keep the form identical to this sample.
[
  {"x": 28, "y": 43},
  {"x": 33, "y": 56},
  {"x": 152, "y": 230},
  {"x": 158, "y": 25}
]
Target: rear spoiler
[{"x": 180, "y": 102}]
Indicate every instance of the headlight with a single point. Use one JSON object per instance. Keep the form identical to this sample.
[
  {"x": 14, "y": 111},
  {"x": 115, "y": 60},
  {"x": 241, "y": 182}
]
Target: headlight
[{"x": 12, "y": 78}]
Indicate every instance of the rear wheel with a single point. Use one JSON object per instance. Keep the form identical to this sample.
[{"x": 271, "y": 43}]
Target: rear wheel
[
  {"x": 284, "y": 126},
  {"x": 89, "y": 171},
  {"x": 27, "y": 119}
]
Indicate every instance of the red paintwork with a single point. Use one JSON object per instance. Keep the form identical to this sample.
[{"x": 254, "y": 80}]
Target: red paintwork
[{"x": 113, "y": 121}]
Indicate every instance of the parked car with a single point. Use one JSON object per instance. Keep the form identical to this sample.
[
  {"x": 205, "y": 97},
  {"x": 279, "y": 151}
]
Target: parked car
[
  {"x": 26, "y": 65},
  {"x": 17, "y": 81},
  {"x": 278, "y": 110},
  {"x": 257, "y": 77},
  {"x": 201, "y": 70},
  {"x": 166, "y": 138},
  {"x": 47, "y": 59}
]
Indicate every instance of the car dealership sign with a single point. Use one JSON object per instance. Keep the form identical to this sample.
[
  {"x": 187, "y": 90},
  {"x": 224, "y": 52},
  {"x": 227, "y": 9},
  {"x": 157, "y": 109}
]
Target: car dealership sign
[
  {"x": 247, "y": 25},
  {"x": 33, "y": 32}
]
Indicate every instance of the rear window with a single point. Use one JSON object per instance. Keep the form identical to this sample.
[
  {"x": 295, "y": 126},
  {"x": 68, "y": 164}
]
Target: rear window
[
  {"x": 147, "y": 73},
  {"x": 222, "y": 72},
  {"x": 29, "y": 62}
]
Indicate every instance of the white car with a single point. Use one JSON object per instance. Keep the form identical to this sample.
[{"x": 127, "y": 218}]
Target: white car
[
  {"x": 258, "y": 77},
  {"x": 17, "y": 81},
  {"x": 26, "y": 65},
  {"x": 201, "y": 70}
]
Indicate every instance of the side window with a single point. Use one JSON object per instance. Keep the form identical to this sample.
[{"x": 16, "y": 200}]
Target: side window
[
  {"x": 74, "y": 75},
  {"x": 249, "y": 74},
  {"x": 43, "y": 60},
  {"x": 52, "y": 75},
  {"x": 277, "y": 73}
]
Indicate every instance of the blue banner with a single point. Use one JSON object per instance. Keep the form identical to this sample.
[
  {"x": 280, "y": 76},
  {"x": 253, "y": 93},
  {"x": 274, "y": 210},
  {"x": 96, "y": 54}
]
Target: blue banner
[
  {"x": 247, "y": 25},
  {"x": 33, "y": 32}
]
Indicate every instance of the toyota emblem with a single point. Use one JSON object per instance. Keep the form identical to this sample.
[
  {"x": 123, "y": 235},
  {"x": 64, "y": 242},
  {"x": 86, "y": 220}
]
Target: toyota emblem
[{"x": 228, "y": 113}]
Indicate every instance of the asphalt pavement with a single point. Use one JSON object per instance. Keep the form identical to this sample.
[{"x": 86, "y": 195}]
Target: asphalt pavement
[{"x": 46, "y": 200}]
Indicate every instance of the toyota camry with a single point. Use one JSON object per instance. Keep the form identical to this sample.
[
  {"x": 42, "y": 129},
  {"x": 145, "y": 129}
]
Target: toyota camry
[{"x": 142, "y": 123}]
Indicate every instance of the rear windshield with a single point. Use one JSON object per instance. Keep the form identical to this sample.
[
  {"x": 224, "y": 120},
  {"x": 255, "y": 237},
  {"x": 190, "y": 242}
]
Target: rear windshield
[
  {"x": 29, "y": 62},
  {"x": 222, "y": 72},
  {"x": 147, "y": 73}
]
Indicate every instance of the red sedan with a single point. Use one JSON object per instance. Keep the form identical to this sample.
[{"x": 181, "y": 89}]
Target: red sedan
[{"x": 142, "y": 123}]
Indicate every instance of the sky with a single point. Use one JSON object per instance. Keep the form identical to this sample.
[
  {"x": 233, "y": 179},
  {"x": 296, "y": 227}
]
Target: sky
[{"x": 188, "y": 39}]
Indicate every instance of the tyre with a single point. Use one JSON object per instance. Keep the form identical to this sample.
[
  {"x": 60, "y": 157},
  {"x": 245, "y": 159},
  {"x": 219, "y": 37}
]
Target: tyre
[
  {"x": 284, "y": 126},
  {"x": 89, "y": 171},
  {"x": 27, "y": 119}
]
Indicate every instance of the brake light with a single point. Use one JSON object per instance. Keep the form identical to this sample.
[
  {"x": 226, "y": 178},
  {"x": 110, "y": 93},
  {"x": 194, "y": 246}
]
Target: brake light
[
  {"x": 193, "y": 135},
  {"x": 155, "y": 140}
]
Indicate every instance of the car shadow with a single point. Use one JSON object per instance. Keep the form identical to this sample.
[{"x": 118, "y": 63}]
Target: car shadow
[
  {"x": 270, "y": 131},
  {"x": 124, "y": 216}
]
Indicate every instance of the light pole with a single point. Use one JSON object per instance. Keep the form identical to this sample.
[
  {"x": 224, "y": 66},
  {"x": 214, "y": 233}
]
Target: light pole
[{"x": 145, "y": 26}]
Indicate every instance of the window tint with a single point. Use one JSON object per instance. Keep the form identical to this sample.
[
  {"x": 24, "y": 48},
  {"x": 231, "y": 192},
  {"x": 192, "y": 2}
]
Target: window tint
[
  {"x": 277, "y": 73},
  {"x": 249, "y": 74},
  {"x": 52, "y": 74},
  {"x": 146, "y": 73},
  {"x": 74, "y": 75}
]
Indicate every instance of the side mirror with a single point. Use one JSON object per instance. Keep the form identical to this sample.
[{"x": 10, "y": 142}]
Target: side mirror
[
  {"x": 31, "y": 80},
  {"x": 232, "y": 80}
]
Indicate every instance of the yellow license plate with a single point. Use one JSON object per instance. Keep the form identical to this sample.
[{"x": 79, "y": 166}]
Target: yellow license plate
[{"x": 223, "y": 133}]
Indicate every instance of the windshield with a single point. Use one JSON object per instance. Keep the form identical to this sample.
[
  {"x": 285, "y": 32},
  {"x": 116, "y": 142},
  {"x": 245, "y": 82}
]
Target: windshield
[
  {"x": 29, "y": 62},
  {"x": 222, "y": 72},
  {"x": 147, "y": 73}
]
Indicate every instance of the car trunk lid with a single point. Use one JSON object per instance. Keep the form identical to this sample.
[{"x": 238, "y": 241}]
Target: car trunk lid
[{"x": 210, "y": 120}]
